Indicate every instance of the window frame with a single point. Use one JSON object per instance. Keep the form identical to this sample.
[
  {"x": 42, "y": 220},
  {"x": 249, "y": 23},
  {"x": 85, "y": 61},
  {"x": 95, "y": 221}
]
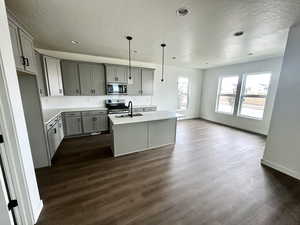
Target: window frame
[
  {"x": 220, "y": 81},
  {"x": 188, "y": 94},
  {"x": 242, "y": 90}
]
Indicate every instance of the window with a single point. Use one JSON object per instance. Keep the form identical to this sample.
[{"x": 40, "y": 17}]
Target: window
[
  {"x": 252, "y": 91},
  {"x": 227, "y": 94},
  {"x": 254, "y": 94},
  {"x": 183, "y": 93}
]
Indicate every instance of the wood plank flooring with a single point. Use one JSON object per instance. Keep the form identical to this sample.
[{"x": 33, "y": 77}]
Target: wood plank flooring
[{"x": 212, "y": 176}]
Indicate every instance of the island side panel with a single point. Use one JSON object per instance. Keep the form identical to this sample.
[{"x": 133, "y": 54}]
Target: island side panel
[
  {"x": 129, "y": 138},
  {"x": 162, "y": 132}
]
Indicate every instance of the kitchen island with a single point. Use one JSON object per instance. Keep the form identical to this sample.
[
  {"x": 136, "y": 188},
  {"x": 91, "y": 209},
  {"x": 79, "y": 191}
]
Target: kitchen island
[{"x": 147, "y": 131}]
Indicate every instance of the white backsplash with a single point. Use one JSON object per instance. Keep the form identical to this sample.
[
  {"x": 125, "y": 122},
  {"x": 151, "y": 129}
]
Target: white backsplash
[{"x": 89, "y": 101}]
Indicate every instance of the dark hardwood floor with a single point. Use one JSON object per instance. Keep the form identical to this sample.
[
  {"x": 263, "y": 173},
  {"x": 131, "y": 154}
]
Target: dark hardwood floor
[{"x": 212, "y": 176}]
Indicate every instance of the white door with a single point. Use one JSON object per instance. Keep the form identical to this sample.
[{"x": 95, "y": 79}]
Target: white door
[{"x": 7, "y": 217}]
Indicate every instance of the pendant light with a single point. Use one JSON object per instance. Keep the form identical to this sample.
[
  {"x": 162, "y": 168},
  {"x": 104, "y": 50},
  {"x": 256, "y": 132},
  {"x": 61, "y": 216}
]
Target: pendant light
[
  {"x": 163, "y": 61},
  {"x": 129, "y": 38}
]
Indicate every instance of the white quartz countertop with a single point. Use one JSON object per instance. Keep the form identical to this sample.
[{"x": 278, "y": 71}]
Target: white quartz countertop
[
  {"x": 50, "y": 114},
  {"x": 147, "y": 116}
]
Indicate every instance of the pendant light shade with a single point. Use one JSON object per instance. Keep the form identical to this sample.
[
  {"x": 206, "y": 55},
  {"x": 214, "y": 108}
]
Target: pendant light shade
[
  {"x": 163, "y": 62},
  {"x": 129, "y": 38}
]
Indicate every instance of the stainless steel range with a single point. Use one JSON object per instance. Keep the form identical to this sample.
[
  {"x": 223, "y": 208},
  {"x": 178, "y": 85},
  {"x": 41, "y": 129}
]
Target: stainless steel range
[{"x": 116, "y": 106}]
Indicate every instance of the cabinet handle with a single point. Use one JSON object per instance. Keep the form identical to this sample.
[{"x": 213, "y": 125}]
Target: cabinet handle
[
  {"x": 54, "y": 130},
  {"x": 27, "y": 62},
  {"x": 77, "y": 91},
  {"x": 60, "y": 91},
  {"x": 23, "y": 61}
]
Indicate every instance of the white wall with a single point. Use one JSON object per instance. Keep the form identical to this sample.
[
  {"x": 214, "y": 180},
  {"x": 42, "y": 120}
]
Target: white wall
[
  {"x": 14, "y": 127},
  {"x": 282, "y": 148},
  {"x": 210, "y": 87},
  {"x": 165, "y": 93}
]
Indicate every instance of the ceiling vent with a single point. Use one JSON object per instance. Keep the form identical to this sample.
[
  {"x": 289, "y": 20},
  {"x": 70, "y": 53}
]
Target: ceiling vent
[{"x": 182, "y": 11}]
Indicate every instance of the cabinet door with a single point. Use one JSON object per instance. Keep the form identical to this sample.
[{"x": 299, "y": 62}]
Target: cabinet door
[
  {"x": 52, "y": 141},
  {"x": 90, "y": 124},
  {"x": 28, "y": 52},
  {"x": 111, "y": 73},
  {"x": 60, "y": 132},
  {"x": 98, "y": 79},
  {"x": 39, "y": 75},
  {"x": 53, "y": 72},
  {"x": 122, "y": 74},
  {"x": 102, "y": 123},
  {"x": 135, "y": 84},
  {"x": 147, "y": 81},
  {"x": 85, "y": 77},
  {"x": 14, "y": 35},
  {"x": 72, "y": 125},
  {"x": 70, "y": 78}
]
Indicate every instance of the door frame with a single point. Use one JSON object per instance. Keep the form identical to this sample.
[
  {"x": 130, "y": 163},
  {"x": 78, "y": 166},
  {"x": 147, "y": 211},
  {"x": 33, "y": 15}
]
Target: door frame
[{"x": 12, "y": 156}]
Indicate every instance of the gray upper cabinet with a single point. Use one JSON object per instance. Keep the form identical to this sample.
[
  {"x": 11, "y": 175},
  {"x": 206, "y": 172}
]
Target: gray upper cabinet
[
  {"x": 98, "y": 78},
  {"x": 70, "y": 77},
  {"x": 22, "y": 44},
  {"x": 28, "y": 52},
  {"x": 52, "y": 71},
  {"x": 39, "y": 75},
  {"x": 16, "y": 45},
  {"x": 134, "y": 87},
  {"x": 147, "y": 81},
  {"x": 85, "y": 76},
  {"x": 92, "y": 79},
  {"x": 116, "y": 74}
]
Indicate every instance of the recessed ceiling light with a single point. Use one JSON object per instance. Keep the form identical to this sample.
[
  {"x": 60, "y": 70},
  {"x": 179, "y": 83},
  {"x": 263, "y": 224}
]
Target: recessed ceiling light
[
  {"x": 174, "y": 57},
  {"x": 75, "y": 42},
  {"x": 239, "y": 33},
  {"x": 182, "y": 11}
]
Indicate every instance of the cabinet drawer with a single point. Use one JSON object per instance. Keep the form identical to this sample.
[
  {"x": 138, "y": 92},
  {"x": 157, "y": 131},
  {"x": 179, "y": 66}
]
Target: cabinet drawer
[
  {"x": 72, "y": 114},
  {"x": 92, "y": 113},
  {"x": 137, "y": 109},
  {"x": 149, "y": 109}
]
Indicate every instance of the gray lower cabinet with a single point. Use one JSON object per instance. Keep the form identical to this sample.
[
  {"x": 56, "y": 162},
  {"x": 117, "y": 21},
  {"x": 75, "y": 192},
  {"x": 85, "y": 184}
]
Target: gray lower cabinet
[
  {"x": 70, "y": 77},
  {"x": 92, "y": 79},
  {"x": 55, "y": 135},
  {"x": 72, "y": 123},
  {"x": 94, "y": 121},
  {"x": 147, "y": 81}
]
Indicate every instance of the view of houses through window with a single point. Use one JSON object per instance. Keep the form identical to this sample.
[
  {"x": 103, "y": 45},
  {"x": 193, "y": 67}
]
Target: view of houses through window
[
  {"x": 252, "y": 90},
  {"x": 183, "y": 93}
]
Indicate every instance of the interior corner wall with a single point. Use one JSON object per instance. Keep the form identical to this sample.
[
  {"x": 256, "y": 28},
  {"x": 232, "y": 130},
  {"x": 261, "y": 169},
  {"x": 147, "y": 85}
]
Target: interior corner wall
[
  {"x": 15, "y": 126},
  {"x": 282, "y": 148},
  {"x": 210, "y": 88},
  {"x": 165, "y": 93}
]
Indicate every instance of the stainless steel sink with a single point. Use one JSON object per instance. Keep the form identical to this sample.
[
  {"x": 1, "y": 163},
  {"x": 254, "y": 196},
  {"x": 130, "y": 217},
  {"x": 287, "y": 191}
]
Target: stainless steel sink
[{"x": 128, "y": 115}]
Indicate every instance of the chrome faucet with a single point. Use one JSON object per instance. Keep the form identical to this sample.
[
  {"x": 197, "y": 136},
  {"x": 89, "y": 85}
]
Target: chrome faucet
[{"x": 130, "y": 107}]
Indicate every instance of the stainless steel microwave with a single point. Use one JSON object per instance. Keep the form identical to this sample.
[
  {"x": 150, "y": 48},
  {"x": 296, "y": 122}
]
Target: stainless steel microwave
[{"x": 116, "y": 89}]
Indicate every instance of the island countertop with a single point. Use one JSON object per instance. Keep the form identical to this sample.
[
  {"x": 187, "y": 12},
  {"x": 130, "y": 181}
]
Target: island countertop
[{"x": 147, "y": 116}]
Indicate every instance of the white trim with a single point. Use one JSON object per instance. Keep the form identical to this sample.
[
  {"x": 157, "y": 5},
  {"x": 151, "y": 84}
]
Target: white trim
[{"x": 281, "y": 168}]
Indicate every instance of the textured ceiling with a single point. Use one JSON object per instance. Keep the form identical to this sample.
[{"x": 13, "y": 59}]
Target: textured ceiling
[{"x": 204, "y": 38}]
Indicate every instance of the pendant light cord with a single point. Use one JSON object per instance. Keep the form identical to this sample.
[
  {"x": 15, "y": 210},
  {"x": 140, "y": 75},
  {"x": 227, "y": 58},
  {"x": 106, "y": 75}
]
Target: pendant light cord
[
  {"x": 163, "y": 62},
  {"x": 129, "y": 56}
]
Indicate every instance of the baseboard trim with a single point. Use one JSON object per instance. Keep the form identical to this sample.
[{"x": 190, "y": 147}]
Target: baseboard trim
[
  {"x": 38, "y": 213},
  {"x": 280, "y": 168},
  {"x": 237, "y": 128}
]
